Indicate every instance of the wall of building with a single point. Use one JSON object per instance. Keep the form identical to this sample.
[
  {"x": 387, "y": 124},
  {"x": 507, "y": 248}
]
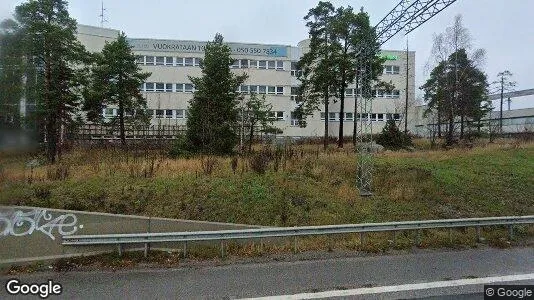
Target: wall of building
[{"x": 175, "y": 103}]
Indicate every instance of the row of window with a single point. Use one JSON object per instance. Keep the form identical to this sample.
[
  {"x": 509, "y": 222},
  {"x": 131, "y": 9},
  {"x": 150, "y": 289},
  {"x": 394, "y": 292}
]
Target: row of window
[
  {"x": 155, "y": 113},
  {"x": 169, "y": 61},
  {"x": 349, "y": 116},
  {"x": 261, "y": 89},
  {"x": 374, "y": 93},
  {"x": 273, "y": 115},
  {"x": 258, "y": 64},
  {"x": 167, "y": 87}
]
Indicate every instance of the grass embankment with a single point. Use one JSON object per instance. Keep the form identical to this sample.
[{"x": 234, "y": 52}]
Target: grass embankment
[{"x": 304, "y": 186}]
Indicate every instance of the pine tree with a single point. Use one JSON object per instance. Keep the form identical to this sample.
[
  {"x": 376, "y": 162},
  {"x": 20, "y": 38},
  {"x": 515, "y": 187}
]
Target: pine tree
[
  {"x": 52, "y": 48},
  {"x": 212, "y": 120},
  {"x": 116, "y": 78},
  {"x": 318, "y": 77}
]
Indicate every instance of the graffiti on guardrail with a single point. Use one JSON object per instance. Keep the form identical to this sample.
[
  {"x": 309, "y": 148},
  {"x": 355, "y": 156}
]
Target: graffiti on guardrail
[{"x": 27, "y": 222}]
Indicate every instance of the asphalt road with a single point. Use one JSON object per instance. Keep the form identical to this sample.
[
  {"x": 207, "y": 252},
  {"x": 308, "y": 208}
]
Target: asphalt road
[{"x": 288, "y": 278}]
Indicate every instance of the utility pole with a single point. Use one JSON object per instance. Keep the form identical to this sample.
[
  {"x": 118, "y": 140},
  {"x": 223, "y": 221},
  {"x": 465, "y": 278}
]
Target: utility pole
[{"x": 406, "y": 92}]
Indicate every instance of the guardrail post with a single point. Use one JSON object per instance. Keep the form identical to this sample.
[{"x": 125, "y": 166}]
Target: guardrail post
[
  {"x": 120, "y": 249},
  {"x": 510, "y": 232},
  {"x": 295, "y": 244},
  {"x": 185, "y": 250},
  {"x": 479, "y": 237},
  {"x": 362, "y": 238},
  {"x": 222, "y": 249},
  {"x": 418, "y": 237},
  {"x": 450, "y": 235},
  {"x": 394, "y": 238},
  {"x": 147, "y": 248}
]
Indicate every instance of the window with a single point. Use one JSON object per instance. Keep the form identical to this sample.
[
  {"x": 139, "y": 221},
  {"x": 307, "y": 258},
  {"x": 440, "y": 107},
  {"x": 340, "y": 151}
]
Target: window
[
  {"x": 294, "y": 119},
  {"x": 140, "y": 60},
  {"x": 168, "y": 87},
  {"x": 271, "y": 64},
  {"x": 179, "y": 61},
  {"x": 279, "y": 90},
  {"x": 169, "y": 60},
  {"x": 244, "y": 89},
  {"x": 179, "y": 87},
  {"x": 235, "y": 64},
  {"x": 276, "y": 115},
  {"x": 262, "y": 64},
  {"x": 262, "y": 89},
  {"x": 271, "y": 90},
  {"x": 189, "y": 88},
  {"x": 197, "y": 61},
  {"x": 149, "y": 60},
  {"x": 159, "y": 113},
  {"x": 332, "y": 116},
  {"x": 396, "y": 94},
  {"x": 108, "y": 112},
  {"x": 160, "y": 87},
  {"x": 244, "y": 63},
  {"x": 253, "y": 64},
  {"x": 349, "y": 92},
  {"x": 254, "y": 89},
  {"x": 168, "y": 113},
  {"x": 179, "y": 113},
  {"x": 349, "y": 116},
  {"x": 150, "y": 113},
  {"x": 323, "y": 115},
  {"x": 188, "y": 61},
  {"x": 149, "y": 86},
  {"x": 295, "y": 71},
  {"x": 160, "y": 60},
  {"x": 142, "y": 87},
  {"x": 380, "y": 117},
  {"x": 380, "y": 94},
  {"x": 391, "y": 69},
  {"x": 396, "y": 117},
  {"x": 279, "y": 65}
]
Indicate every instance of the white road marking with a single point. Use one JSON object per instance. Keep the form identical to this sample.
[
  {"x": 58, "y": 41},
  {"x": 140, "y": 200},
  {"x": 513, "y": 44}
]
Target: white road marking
[{"x": 403, "y": 287}]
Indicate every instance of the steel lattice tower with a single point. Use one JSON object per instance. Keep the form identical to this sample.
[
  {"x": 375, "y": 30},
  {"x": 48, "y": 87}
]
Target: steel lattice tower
[{"x": 407, "y": 15}]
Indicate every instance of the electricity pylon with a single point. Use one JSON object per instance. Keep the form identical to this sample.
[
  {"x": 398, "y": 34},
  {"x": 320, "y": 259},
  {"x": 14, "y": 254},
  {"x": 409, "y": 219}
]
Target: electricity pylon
[{"x": 407, "y": 16}]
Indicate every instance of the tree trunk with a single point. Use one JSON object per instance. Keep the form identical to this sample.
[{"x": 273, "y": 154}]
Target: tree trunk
[
  {"x": 355, "y": 123},
  {"x": 341, "y": 110},
  {"x": 439, "y": 122},
  {"x": 251, "y": 136},
  {"x": 121, "y": 123},
  {"x": 462, "y": 120},
  {"x": 326, "y": 111}
]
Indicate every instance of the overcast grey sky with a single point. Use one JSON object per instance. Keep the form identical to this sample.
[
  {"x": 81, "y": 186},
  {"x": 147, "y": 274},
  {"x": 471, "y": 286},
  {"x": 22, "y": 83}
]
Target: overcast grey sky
[{"x": 505, "y": 29}]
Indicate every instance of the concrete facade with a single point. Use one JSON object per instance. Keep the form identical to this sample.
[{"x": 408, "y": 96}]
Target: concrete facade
[{"x": 271, "y": 72}]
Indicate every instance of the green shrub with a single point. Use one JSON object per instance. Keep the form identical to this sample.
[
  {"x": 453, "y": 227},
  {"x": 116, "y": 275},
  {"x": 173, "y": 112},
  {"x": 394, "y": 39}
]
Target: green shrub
[
  {"x": 180, "y": 149},
  {"x": 392, "y": 138}
]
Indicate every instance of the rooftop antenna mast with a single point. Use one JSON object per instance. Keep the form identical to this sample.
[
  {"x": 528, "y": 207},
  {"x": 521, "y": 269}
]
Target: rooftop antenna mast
[{"x": 102, "y": 15}]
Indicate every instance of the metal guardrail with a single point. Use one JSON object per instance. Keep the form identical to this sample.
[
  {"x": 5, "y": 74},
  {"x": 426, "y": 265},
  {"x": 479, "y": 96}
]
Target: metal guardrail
[{"x": 147, "y": 238}]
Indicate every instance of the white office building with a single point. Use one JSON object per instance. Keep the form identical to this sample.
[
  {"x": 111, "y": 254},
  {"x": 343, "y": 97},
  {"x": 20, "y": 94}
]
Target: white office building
[{"x": 271, "y": 70}]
